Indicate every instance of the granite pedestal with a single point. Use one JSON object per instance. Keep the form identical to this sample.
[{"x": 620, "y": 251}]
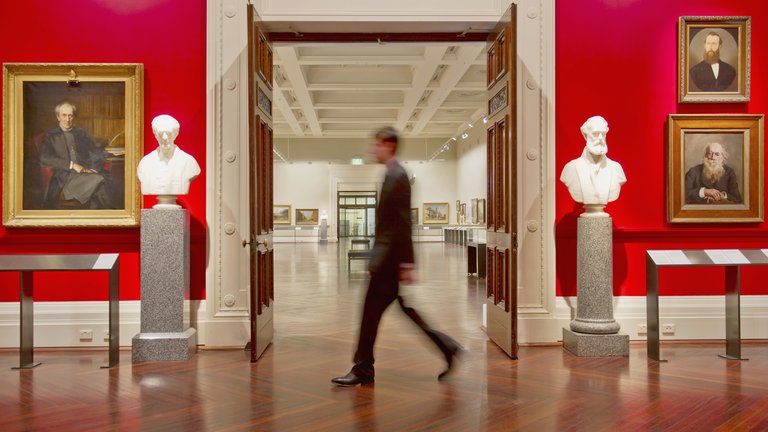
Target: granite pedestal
[
  {"x": 165, "y": 332},
  {"x": 595, "y": 332}
]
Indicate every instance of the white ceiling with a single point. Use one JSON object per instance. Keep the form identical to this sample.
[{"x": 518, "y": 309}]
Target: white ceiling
[{"x": 425, "y": 90}]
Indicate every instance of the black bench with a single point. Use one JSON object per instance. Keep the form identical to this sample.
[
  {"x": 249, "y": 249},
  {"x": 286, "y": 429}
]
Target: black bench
[{"x": 356, "y": 255}]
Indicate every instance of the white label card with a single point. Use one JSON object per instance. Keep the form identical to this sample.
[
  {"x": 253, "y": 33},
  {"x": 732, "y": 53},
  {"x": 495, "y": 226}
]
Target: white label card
[
  {"x": 661, "y": 257},
  {"x": 726, "y": 256}
]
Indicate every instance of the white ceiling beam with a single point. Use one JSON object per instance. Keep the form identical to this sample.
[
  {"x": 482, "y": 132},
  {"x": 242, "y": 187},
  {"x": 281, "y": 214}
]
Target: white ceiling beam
[
  {"x": 285, "y": 109},
  {"x": 292, "y": 71},
  {"x": 450, "y": 78},
  {"x": 422, "y": 74}
]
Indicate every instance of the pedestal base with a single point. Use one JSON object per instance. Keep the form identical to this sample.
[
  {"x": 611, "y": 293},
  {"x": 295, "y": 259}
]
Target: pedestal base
[
  {"x": 596, "y": 345},
  {"x": 164, "y": 346}
]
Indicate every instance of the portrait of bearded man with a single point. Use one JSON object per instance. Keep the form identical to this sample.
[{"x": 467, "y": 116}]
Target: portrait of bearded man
[
  {"x": 712, "y": 181},
  {"x": 712, "y": 74}
]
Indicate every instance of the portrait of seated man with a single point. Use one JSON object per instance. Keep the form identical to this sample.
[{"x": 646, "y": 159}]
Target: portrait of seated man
[
  {"x": 78, "y": 178},
  {"x": 713, "y": 74},
  {"x": 712, "y": 181}
]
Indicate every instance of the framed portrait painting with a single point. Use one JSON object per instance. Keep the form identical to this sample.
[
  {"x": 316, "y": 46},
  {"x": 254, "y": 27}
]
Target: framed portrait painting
[
  {"x": 72, "y": 139},
  {"x": 281, "y": 215},
  {"x": 715, "y": 171},
  {"x": 435, "y": 213},
  {"x": 307, "y": 216},
  {"x": 714, "y": 59},
  {"x": 414, "y": 216}
]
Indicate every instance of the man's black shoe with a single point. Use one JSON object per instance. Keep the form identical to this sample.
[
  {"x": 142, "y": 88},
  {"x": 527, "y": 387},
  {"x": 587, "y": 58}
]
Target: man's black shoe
[{"x": 351, "y": 380}]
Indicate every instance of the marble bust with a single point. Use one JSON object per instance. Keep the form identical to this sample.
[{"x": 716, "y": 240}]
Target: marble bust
[
  {"x": 592, "y": 178},
  {"x": 167, "y": 171}
]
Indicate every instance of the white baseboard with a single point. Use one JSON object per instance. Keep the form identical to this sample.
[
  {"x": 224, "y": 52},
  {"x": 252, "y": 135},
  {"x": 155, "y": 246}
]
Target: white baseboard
[
  {"x": 694, "y": 317},
  {"x": 57, "y": 324}
]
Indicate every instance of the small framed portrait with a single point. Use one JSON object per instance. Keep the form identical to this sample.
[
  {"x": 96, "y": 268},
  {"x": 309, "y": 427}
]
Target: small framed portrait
[
  {"x": 72, "y": 140},
  {"x": 281, "y": 214},
  {"x": 473, "y": 205},
  {"x": 481, "y": 210},
  {"x": 435, "y": 213},
  {"x": 307, "y": 216},
  {"x": 715, "y": 171},
  {"x": 714, "y": 59},
  {"x": 414, "y": 216}
]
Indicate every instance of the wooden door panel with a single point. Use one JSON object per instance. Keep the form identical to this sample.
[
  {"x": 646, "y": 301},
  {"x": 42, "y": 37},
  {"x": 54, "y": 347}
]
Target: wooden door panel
[
  {"x": 501, "y": 275},
  {"x": 260, "y": 187}
]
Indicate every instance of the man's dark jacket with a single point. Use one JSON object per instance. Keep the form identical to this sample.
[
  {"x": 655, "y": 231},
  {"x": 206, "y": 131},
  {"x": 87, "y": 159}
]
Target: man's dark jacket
[
  {"x": 703, "y": 77},
  {"x": 695, "y": 180},
  {"x": 393, "y": 244}
]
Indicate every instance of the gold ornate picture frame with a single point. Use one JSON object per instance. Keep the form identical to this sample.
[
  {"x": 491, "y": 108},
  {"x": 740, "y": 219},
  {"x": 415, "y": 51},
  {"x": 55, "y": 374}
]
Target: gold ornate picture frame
[
  {"x": 72, "y": 139},
  {"x": 715, "y": 168},
  {"x": 714, "y": 58},
  {"x": 307, "y": 216},
  {"x": 435, "y": 213},
  {"x": 281, "y": 214}
]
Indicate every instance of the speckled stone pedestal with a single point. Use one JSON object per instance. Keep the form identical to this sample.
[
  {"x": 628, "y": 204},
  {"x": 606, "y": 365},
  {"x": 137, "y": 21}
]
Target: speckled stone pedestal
[
  {"x": 595, "y": 332},
  {"x": 165, "y": 332}
]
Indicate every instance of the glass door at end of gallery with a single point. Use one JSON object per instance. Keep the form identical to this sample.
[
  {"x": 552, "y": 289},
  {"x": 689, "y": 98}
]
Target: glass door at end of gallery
[{"x": 357, "y": 214}]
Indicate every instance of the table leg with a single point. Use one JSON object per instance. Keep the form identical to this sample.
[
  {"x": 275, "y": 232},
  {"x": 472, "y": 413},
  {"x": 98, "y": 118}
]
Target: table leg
[
  {"x": 652, "y": 308},
  {"x": 114, "y": 316},
  {"x": 732, "y": 314},
  {"x": 27, "y": 344}
]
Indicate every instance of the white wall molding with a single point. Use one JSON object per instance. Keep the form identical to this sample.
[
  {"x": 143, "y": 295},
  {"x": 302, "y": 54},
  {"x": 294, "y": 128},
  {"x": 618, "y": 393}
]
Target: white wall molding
[
  {"x": 695, "y": 317},
  {"x": 374, "y": 10}
]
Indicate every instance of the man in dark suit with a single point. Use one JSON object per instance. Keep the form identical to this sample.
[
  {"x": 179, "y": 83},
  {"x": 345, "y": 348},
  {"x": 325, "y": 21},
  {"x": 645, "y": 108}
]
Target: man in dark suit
[
  {"x": 712, "y": 74},
  {"x": 77, "y": 164},
  {"x": 391, "y": 262},
  {"x": 712, "y": 181}
]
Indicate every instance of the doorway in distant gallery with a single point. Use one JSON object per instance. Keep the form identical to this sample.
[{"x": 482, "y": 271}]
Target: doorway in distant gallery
[{"x": 357, "y": 214}]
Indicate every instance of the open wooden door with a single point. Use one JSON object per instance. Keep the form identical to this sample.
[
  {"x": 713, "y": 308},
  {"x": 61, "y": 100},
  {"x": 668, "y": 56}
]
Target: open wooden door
[
  {"x": 501, "y": 274},
  {"x": 262, "y": 291}
]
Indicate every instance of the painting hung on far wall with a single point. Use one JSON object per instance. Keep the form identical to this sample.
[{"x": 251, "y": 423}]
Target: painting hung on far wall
[
  {"x": 481, "y": 210},
  {"x": 714, "y": 59},
  {"x": 281, "y": 215},
  {"x": 715, "y": 171},
  {"x": 473, "y": 204},
  {"x": 307, "y": 216},
  {"x": 414, "y": 216},
  {"x": 435, "y": 213},
  {"x": 71, "y": 144}
]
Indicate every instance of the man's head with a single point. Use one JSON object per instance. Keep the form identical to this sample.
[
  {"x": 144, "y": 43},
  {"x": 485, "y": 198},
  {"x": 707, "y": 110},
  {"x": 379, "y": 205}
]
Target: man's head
[
  {"x": 65, "y": 114},
  {"x": 715, "y": 157},
  {"x": 594, "y": 131},
  {"x": 166, "y": 129},
  {"x": 384, "y": 145},
  {"x": 712, "y": 44}
]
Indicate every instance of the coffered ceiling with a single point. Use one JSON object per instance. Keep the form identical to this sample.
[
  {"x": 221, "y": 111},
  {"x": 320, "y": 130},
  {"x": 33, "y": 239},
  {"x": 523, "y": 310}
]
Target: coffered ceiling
[{"x": 425, "y": 90}]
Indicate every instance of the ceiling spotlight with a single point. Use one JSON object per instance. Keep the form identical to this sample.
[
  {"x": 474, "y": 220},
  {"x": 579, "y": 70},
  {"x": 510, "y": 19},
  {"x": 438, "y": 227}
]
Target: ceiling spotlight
[
  {"x": 485, "y": 120},
  {"x": 464, "y": 135},
  {"x": 453, "y": 138},
  {"x": 471, "y": 125}
]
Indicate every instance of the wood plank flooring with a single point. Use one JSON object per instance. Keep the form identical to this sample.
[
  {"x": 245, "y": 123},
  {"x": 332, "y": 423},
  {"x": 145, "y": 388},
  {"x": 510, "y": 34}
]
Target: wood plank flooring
[{"x": 317, "y": 310}]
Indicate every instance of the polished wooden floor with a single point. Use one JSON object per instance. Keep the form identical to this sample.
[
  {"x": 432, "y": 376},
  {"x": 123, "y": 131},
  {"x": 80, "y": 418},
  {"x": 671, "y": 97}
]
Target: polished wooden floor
[{"x": 316, "y": 316}]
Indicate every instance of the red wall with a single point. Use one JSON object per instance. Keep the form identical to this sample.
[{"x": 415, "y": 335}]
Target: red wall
[
  {"x": 168, "y": 37},
  {"x": 618, "y": 59}
]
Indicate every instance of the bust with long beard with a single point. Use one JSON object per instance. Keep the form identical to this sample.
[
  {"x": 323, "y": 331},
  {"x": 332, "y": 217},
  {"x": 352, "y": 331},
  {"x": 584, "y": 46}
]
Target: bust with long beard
[{"x": 712, "y": 181}]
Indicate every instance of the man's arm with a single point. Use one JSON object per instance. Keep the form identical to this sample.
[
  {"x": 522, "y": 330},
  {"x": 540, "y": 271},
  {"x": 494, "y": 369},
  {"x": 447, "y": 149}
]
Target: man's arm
[{"x": 49, "y": 156}]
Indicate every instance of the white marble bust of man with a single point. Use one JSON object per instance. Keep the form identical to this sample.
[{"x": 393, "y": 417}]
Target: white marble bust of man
[
  {"x": 167, "y": 170},
  {"x": 593, "y": 178}
]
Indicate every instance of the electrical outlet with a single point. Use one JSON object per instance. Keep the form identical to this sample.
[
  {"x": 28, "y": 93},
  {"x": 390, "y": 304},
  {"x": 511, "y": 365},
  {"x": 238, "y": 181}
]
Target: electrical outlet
[
  {"x": 86, "y": 334},
  {"x": 668, "y": 329},
  {"x": 642, "y": 329}
]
